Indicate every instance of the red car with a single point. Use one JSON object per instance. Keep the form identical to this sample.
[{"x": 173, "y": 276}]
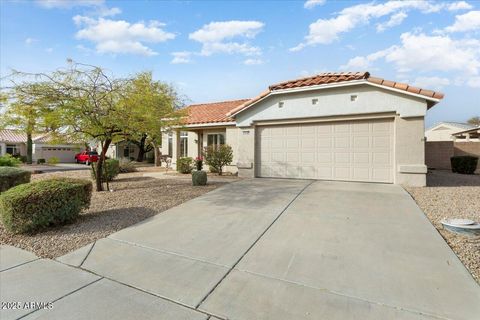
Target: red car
[{"x": 86, "y": 157}]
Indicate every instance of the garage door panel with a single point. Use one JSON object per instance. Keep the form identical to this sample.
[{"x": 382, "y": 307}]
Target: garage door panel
[
  {"x": 361, "y": 142},
  {"x": 342, "y": 142},
  {"x": 361, "y": 174},
  {"x": 348, "y": 150}
]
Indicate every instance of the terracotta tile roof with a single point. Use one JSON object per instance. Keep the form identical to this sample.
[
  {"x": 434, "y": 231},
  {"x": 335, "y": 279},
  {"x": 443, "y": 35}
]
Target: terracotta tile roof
[
  {"x": 18, "y": 136},
  {"x": 15, "y": 136},
  {"x": 337, "y": 77},
  {"x": 212, "y": 112},
  {"x": 406, "y": 87},
  {"x": 322, "y": 78}
]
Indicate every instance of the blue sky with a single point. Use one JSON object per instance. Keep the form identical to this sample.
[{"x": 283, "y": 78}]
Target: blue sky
[{"x": 219, "y": 50}]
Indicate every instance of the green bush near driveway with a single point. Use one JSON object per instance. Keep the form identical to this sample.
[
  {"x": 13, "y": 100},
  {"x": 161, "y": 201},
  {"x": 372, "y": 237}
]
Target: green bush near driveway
[
  {"x": 11, "y": 177},
  {"x": 8, "y": 161},
  {"x": 185, "y": 165},
  {"x": 464, "y": 164},
  {"x": 218, "y": 157},
  {"x": 53, "y": 160},
  {"x": 127, "y": 166},
  {"x": 40, "y": 204},
  {"x": 111, "y": 169},
  {"x": 199, "y": 178},
  {"x": 41, "y": 161}
]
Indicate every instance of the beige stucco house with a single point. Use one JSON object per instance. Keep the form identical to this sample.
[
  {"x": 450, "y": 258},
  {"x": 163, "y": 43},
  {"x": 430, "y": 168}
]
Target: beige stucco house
[
  {"x": 14, "y": 142},
  {"x": 332, "y": 126},
  {"x": 444, "y": 131}
]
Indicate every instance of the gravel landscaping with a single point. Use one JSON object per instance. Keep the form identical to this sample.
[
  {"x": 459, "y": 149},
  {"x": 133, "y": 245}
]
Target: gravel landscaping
[
  {"x": 450, "y": 195},
  {"x": 135, "y": 197}
]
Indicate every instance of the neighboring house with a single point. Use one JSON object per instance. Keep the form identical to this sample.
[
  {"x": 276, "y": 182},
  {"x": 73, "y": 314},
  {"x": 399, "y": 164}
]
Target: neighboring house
[
  {"x": 126, "y": 150},
  {"x": 443, "y": 131},
  {"x": 469, "y": 135},
  {"x": 332, "y": 126},
  {"x": 14, "y": 142}
]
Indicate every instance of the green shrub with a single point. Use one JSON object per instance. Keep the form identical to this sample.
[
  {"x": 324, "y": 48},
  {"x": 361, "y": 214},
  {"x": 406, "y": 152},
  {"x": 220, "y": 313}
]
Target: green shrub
[
  {"x": 40, "y": 161},
  {"x": 53, "y": 160},
  {"x": 111, "y": 169},
  {"x": 23, "y": 159},
  {"x": 218, "y": 157},
  {"x": 464, "y": 164},
  {"x": 212, "y": 169},
  {"x": 185, "y": 165},
  {"x": 8, "y": 161},
  {"x": 199, "y": 178},
  {"x": 11, "y": 177},
  {"x": 126, "y": 166},
  {"x": 39, "y": 204}
]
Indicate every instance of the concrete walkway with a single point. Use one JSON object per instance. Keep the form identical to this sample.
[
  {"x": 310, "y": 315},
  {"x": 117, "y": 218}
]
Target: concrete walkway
[{"x": 258, "y": 249}]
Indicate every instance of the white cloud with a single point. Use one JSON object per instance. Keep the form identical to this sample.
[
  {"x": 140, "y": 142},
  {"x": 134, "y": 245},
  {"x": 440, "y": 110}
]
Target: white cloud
[
  {"x": 67, "y": 4},
  {"x": 120, "y": 36},
  {"x": 394, "y": 20},
  {"x": 460, "y": 5},
  {"x": 252, "y": 62},
  {"x": 436, "y": 83},
  {"x": 425, "y": 54},
  {"x": 474, "y": 82},
  {"x": 181, "y": 57},
  {"x": 217, "y": 37},
  {"x": 29, "y": 41},
  {"x": 469, "y": 21},
  {"x": 309, "y": 4},
  {"x": 49, "y": 50},
  {"x": 325, "y": 31}
]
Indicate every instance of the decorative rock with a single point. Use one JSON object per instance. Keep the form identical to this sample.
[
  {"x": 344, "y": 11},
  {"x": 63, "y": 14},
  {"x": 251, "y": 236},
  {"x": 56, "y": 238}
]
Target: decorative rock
[{"x": 199, "y": 178}]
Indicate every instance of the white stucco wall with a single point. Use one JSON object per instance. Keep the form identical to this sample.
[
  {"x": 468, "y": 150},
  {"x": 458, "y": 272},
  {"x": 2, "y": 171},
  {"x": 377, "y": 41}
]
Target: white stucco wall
[
  {"x": 333, "y": 102},
  {"x": 442, "y": 132}
]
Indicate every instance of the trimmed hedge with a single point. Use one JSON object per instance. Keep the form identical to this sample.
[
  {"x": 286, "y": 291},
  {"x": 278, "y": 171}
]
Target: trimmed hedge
[
  {"x": 8, "y": 160},
  {"x": 11, "y": 177},
  {"x": 40, "y": 204},
  {"x": 464, "y": 164},
  {"x": 185, "y": 165},
  {"x": 111, "y": 169}
]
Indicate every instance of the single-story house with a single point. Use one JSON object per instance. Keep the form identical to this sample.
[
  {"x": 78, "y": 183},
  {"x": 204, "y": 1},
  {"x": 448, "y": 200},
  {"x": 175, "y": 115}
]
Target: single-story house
[
  {"x": 469, "y": 135},
  {"x": 14, "y": 142},
  {"x": 126, "y": 150},
  {"x": 332, "y": 126},
  {"x": 443, "y": 131}
]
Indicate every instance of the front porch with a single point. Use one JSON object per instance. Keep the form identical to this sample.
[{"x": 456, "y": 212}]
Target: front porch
[{"x": 192, "y": 140}]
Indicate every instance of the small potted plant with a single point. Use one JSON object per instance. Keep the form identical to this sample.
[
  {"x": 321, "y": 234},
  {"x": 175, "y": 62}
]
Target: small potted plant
[
  {"x": 199, "y": 177},
  {"x": 199, "y": 163}
]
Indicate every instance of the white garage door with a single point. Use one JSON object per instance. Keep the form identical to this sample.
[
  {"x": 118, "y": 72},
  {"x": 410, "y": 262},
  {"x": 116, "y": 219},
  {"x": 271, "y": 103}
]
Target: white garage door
[
  {"x": 63, "y": 154},
  {"x": 347, "y": 150}
]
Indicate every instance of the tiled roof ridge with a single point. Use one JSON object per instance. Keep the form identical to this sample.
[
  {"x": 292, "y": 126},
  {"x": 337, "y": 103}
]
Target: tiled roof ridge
[
  {"x": 216, "y": 102},
  {"x": 362, "y": 74}
]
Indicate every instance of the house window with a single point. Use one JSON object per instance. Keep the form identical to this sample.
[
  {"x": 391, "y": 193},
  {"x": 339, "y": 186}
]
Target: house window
[
  {"x": 170, "y": 144},
  {"x": 128, "y": 150},
  {"x": 215, "y": 140},
  {"x": 183, "y": 144},
  {"x": 13, "y": 149}
]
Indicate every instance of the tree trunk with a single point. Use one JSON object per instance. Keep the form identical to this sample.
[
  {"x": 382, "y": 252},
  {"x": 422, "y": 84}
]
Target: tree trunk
[
  {"x": 157, "y": 153},
  {"x": 101, "y": 161},
  {"x": 141, "y": 148},
  {"x": 29, "y": 148}
]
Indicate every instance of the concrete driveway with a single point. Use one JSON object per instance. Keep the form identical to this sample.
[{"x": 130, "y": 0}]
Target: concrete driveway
[{"x": 270, "y": 249}]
